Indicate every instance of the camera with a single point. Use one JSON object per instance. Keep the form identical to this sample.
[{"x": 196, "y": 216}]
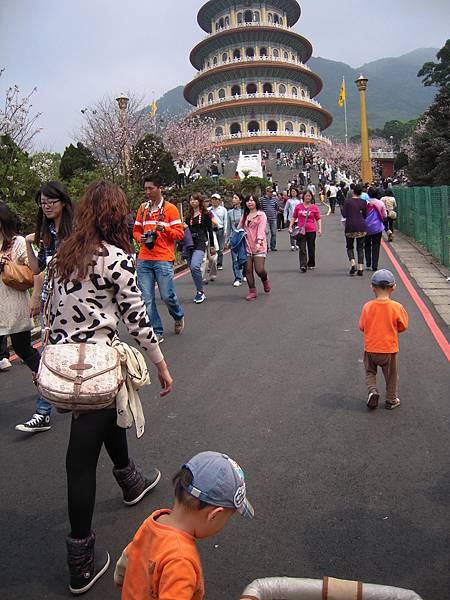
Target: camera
[{"x": 149, "y": 239}]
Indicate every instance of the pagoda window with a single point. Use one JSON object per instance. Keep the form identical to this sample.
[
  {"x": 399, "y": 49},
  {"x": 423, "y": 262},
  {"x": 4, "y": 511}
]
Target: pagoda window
[
  {"x": 235, "y": 128},
  {"x": 210, "y": 97},
  {"x": 227, "y": 21},
  {"x": 256, "y": 17},
  {"x": 248, "y": 16},
  {"x": 294, "y": 92},
  {"x": 251, "y": 88},
  {"x": 203, "y": 100},
  {"x": 253, "y": 127},
  {"x": 237, "y": 54},
  {"x": 286, "y": 56},
  {"x": 221, "y": 23},
  {"x": 217, "y": 25},
  {"x": 267, "y": 88},
  {"x": 208, "y": 64},
  {"x": 239, "y": 18},
  {"x": 302, "y": 128},
  {"x": 289, "y": 126},
  {"x": 272, "y": 126},
  {"x": 303, "y": 93},
  {"x": 250, "y": 52},
  {"x": 222, "y": 94},
  {"x": 293, "y": 57},
  {"x": 224, "y": 57},
  {"x": 236, "y": 90},
  {"x": 276, "y": 19},
  {"x": 263, "y": 51},
  {"x": 219, "y": 131},
  {"x": 282, "y": 89},
  {"x": 281, "y": 20},
  {"x": 313, "y": 131},
  {"x": 215, "y": 61},
  {"x": 276, "y": 53}
]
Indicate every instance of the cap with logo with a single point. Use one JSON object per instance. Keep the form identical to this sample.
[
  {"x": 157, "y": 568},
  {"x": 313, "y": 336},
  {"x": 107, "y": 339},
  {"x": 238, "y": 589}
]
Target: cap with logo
[
  {"x": 218, "y": 196},
  {"x": 383, "y": 277},
  {"x": 218, "y": 480}
]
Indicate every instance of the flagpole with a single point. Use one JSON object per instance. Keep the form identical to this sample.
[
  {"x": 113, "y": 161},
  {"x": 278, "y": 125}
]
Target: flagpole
[{"x": 345, "y": 112}]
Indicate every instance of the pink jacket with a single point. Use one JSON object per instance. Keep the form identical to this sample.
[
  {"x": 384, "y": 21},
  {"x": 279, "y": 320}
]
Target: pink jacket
[
  {"x": 300, "y": 213},
  {"x": 255, "y": 228}
]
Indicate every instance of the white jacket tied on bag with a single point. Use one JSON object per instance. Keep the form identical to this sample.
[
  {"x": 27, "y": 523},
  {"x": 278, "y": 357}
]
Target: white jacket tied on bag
[{"x": 136, "y": 375}]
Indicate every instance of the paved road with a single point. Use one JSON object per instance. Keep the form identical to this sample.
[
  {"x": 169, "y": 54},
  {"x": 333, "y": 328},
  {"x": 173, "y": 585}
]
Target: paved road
[{"x": 277, "y": 384}]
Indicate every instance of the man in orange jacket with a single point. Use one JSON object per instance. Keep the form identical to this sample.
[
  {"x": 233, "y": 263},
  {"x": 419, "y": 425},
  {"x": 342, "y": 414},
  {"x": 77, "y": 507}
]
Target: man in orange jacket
[{"x": 158, "y": 226}]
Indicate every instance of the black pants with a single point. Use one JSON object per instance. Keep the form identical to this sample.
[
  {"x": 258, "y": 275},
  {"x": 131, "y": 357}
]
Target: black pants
[
  {"x": 359, "y": 249},
  {"x": 21, "y": 343},
  {"x": 372, "y": 244},
  {"x": 333, "y": 204},
  {"x": 389, "y": 224},
  {"x": 4, "y": 352},
  {"x": 307, "y": 249},
  {"x": 280, "y": 220},
  {"x": 87, "y": 435}
]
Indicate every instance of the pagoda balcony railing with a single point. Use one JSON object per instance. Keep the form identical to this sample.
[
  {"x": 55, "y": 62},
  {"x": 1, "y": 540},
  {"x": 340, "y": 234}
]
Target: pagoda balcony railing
[
  {"x": 386, "y": 154},
  {"x": 252, "y": 24},
  {"x": 251, "y": 134},
  {"x": 251, "y": 59},
  {"x": 258, "y": 95}
]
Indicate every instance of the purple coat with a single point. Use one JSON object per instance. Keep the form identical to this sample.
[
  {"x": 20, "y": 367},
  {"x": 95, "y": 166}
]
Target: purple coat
[{"x": 355, "y": 213}]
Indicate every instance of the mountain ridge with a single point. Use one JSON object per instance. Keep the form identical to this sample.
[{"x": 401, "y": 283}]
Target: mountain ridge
[{"x": 394, "y": 92}]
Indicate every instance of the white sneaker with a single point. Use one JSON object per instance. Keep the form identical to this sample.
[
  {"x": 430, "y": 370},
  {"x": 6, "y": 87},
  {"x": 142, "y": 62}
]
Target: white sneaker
[
  {"x": 5, "y": 364},
  {"x": 292, "y": 248},
  {"x": 237, "y": 283},
  {"x": 220, "y": 268},
  {"x": 244, "y": 279},
  {"x": 213, "y": 278}
]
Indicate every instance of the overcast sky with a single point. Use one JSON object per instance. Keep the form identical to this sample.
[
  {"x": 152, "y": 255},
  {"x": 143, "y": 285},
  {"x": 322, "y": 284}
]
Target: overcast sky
[{"x": 78, "y": 51}]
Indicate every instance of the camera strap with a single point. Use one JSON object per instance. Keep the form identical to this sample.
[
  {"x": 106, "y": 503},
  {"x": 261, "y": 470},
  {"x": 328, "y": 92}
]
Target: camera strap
[{"x": 148, "y": 214}]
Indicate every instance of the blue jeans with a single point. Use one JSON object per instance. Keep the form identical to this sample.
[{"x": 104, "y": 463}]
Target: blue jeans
[
  {"x": 43, "y": 407},
  {"x": 221, "y": 241},
  {"x": 195, "y": 264},
  {"x": 160, "y": 272},
  {"x": 272, "y": 230},
  {"x": 236, "y": 270}
]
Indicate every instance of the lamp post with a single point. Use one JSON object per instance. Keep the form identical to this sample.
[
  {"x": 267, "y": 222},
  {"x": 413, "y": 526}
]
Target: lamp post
[
  {"x": 366, "y": 163},
  {"x": 123, "y": 101}
]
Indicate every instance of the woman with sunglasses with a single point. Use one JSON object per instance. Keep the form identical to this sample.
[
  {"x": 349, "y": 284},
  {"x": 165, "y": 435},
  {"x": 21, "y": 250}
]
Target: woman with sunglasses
[{"x": 54, "y": 223}]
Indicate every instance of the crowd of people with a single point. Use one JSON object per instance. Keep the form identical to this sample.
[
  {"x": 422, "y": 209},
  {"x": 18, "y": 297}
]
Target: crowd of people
[{"x": 81, "y": 302}]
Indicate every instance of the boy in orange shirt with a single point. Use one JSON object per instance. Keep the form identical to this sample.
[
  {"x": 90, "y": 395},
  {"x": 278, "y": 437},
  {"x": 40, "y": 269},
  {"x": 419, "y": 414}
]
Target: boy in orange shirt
[
  {"x": 381, "y": 321},
  {"x": 162, "y": 561}
]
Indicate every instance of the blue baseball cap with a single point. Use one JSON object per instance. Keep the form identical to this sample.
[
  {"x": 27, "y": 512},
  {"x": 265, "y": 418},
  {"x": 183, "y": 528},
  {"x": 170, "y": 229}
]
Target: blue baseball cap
[
  {"x": 383, "y": 277},
  {"x": 218, "y": 480}
]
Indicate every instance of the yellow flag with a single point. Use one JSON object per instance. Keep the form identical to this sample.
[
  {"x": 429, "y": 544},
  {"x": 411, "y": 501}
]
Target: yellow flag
[
  {"x": 342, "y": 95},
  {"x": 154, "y": 108}
]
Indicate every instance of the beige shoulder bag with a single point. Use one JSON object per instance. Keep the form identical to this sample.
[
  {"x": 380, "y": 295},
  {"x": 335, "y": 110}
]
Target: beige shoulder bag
[{"x": 77, "y": 377}]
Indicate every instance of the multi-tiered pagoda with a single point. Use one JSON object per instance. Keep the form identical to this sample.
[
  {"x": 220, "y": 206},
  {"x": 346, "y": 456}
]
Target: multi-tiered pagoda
[{"x": 253, "y": 78}]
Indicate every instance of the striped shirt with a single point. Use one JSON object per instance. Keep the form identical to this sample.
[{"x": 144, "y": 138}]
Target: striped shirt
[{"x": 270, "y": 207}]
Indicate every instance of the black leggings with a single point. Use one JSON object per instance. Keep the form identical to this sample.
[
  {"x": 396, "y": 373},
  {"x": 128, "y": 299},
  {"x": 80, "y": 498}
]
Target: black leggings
[
  {"x": 359, "y": 248},
  {"x": 259, "y": 263},
  {"x": 372, "y": 245},
  {"x": 21, "y": 343},
  {"x": 88, "y": 433},
  {"x": 4, "y": 352}
]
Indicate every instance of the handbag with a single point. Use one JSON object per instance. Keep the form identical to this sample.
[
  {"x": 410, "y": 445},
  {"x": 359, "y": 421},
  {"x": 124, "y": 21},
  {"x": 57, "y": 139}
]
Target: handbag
[
  {"x": 301, "y": 231},
  {"x": 18, "y": 277},
  {"x": 392, "y": 215},
  {"x": 77, "y": 377}
]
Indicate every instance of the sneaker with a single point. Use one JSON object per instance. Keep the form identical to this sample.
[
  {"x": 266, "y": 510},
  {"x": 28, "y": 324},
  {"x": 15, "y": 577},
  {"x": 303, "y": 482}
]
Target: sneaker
[
  {"x": 213, "y": 278},
  {"x": 252, "y": 295},
  {"x": 292, "y": 248},
  {"x": 274, "y": 249},
  {"x": 220, "y": 268},
  {"x": 303, "y": 269},
  {"x": 360, "y": 273},
  {"x": 267, "y": 287},
  {"x": 312, "y": 268},
  {"x": 179, "y": 326},
  {"x": 160, "y": 338},
  {"x": 5, "y": 364},
  {"x": 390, "y": 405},
  {"x": 36, "y": 424},
  {"x": 244, "y": 279},
  {"x": 199, "y": 297},
  {"x": 135, "y": 485},
  {"x": 373, "y": 399},
  {"x": 237, "y": 283},
  {"x": 352, "y": 271}
]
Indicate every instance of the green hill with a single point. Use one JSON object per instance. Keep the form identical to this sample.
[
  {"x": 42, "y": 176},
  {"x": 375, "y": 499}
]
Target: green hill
[{"x": 395, "y": 91}]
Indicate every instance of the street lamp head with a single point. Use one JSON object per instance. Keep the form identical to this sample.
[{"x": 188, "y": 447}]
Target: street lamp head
[
  {"x": 122, "y": 101},
  {"x": 361, "y": 83}
]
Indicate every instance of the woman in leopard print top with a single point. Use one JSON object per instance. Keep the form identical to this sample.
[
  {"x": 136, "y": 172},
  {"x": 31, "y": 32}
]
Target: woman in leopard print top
[{"x": 96, "y": 287}]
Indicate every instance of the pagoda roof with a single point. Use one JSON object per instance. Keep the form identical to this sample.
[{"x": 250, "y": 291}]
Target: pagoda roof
[
  {"x": 246, "y": 35},
  {"x": 214, "y": 7}
]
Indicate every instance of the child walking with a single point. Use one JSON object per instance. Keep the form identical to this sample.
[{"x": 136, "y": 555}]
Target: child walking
[
  {"x": 381, "y": 321},
  {"x": 162, "y": 561}
]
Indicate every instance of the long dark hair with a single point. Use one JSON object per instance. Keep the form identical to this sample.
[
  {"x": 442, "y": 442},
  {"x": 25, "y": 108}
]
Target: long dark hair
[
  {"x": 101, "y": 216},
  {"x": 9, "y": 226},
  {"x": 199, "y": 197},
  {"x": 246, "y": 208},
  {"x": 55, "y": 191}
]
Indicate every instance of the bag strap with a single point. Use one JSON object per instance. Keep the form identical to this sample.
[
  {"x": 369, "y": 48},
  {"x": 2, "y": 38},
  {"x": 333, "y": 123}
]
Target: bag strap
[
  {"x": 339, "y": 589},
  {"x": 48, "y": 302}
]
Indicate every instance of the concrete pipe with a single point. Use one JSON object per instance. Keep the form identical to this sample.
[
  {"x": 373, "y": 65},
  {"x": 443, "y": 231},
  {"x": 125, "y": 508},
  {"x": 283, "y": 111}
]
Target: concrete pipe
[{"x": 286, "y": 588}]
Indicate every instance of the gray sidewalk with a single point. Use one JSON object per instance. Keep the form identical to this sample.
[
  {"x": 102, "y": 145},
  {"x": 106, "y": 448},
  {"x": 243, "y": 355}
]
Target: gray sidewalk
[{"x": 429, "y": 274}]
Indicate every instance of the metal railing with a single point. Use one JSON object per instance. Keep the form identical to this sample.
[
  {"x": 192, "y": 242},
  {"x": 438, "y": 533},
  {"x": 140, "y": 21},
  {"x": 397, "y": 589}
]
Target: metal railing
[
  {"x": 252, "y": 24},
  {"x": 382, "y": 154},
  {"x": 258, "y": 95},
  {"x": 252, "y": 134},
  {"x": 424, "y": 215},
  {"x": 252, "y": 59}
]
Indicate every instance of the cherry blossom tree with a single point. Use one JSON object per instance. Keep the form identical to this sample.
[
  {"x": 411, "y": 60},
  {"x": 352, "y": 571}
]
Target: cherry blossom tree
[
  {"x": 191, "y": 140},
  {"x": 111, "y": 133}
]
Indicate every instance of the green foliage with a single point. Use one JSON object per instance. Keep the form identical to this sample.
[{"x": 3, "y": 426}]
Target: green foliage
[
  {"x": 77, "y": 185},
  {"x": 399, "y": 131},
  {"x": 401, "y": 161},
  {"x": 437, "y": 73},
  {"x": 46, "y": 165},
  {"x": 150, "y": 157},
  {"x": 76, "y": 159}
]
